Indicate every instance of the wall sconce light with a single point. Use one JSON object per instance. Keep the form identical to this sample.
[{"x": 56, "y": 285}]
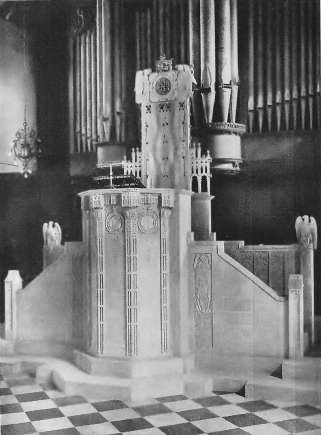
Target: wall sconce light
[{"x": 25, "y": 148}]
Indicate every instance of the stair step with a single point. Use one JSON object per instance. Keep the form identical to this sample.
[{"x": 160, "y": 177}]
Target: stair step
[
  {"x": 8, "y": 369},
  {"x": 307, "y": 368},
  {"x": 287, "y": 390}
]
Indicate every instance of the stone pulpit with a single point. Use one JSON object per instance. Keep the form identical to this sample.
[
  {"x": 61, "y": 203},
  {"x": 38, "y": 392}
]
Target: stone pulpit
[{"x": 138, "y": 305}]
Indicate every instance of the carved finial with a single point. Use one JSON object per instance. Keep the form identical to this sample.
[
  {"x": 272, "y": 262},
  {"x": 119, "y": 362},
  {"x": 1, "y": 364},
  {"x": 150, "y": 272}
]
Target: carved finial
[
  {"x": 163, "y": 64},
  {"x": 51, "y": 234},
  {"x": 306, "y": 231}
]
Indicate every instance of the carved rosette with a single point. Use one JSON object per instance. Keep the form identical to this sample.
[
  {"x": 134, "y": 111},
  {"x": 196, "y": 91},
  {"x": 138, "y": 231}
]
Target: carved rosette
[
  {"x": 148, "y": 221},
  {"x": 114, "y": 223}
]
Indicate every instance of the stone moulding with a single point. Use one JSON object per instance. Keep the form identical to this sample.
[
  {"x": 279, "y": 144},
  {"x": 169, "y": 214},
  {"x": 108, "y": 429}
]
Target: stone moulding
[{"x": 100, "y": 199}]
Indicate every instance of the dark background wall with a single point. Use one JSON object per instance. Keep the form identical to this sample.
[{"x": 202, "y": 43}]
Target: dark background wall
[
  {"x": 277, "y": 183},
  {"x": 46, "y": 195}
]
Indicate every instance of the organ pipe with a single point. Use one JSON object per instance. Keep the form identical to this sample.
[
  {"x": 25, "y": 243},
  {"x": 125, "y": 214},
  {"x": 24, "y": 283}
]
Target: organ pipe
[
  {"x": 77, "y": 79},
  {"x": 223, "y": 57},
  {"x": 155, "y": 33},
  {"x": 294, "y": 65},
  {"x": 88, "y": 92},
  {"x": 138, "y": 48},
  {"x": 208, "y": 63},
  {"x": 235, "y": 60},
  {"x": 94, "y": 87},
  {"x": 167, "y": 36},
  {"x": 99, "y": 76},
  {"x": 71, "y": 90},
  {"x": 251, "y": 67},
  {"x": 99, "y": 45},
  {"x": 149, "y": 38},
  {"x": 278, "y": 75},
  {"x": 303, "y": 91},
  {"x": 286, "y": 63},
  {"x": 106, "y": 69},
  {"x": 161, "y": 26},
  {"x": 269, "y": 68},
  {"x": 83, "y": 93},
  {"x": 259, "y": 67},
  {"x": 193, "y": 58},
  {"x": 310, "y": 63},
  {"x": 317, "y": 39},
  {"x": 123, "y": 71},
  {"x": 183, "y": 30},
  {"x": 117, "y": 97}
]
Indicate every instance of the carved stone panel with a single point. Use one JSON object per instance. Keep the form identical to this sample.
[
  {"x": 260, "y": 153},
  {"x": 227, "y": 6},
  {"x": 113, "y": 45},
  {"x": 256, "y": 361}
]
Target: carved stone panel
[{"x": 203, "y": 302}]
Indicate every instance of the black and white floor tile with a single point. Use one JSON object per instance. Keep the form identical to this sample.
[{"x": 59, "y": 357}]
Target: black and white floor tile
[{"x": 28, "y": 408}]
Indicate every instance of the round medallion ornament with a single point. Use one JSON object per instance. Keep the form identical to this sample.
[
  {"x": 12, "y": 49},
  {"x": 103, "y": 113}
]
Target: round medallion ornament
[
  {"x": 114, "y": 223},
  {"x": 148, "y": 222},
  {"x": 163, "y": 86}
]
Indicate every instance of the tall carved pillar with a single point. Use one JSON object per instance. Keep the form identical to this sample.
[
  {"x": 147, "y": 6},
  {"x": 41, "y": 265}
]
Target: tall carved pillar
[
  {"x": 164, "y": 277},
  {"x": 306, "y": 232},
  {"x": 131, "y": 282}
]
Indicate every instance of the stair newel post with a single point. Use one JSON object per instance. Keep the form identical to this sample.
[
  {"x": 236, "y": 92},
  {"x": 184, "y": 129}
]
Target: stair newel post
[
  {"x": 296, "y": 321},
  {"x": 306, "y": 232},
  {"x": 12, "y": 284}
]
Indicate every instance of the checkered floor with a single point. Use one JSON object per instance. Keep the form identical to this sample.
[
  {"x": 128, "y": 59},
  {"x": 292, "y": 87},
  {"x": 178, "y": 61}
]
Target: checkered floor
[{"x": 27, "y": 408}]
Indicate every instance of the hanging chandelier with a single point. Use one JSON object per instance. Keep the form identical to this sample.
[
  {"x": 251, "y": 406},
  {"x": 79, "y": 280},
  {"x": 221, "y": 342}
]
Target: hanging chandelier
[{"x": 26, "y": 148}]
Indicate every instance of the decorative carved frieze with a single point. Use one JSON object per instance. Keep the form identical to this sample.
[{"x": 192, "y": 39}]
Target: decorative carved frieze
[
  {"x": 97, "y": 201},
  {"x": 130, "y": 199},
  {"x": 167, "y": 200},
  {"x": 133, "y": 198},
  {"x": 149, "y": 198}
]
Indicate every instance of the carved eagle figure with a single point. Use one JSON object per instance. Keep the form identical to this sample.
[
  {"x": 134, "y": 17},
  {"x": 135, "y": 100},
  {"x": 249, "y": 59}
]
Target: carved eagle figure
[
  {"x": 306, "y": 231},
  {"x": 51, "y": 234}
]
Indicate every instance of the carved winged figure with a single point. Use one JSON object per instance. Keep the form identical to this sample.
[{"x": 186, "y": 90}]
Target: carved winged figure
[
  {"x": 306, "y": 231},
  {"x": 51, "y": 234}
]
